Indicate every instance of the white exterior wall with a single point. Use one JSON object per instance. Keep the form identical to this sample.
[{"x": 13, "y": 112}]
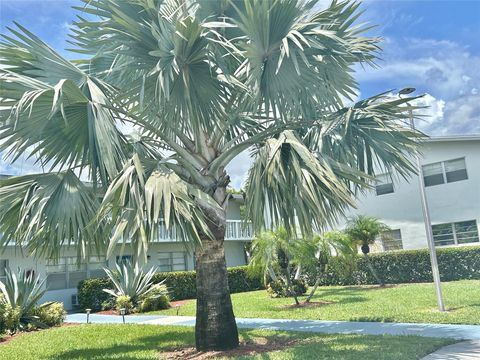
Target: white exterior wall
[{"x": 449, "y": 202}]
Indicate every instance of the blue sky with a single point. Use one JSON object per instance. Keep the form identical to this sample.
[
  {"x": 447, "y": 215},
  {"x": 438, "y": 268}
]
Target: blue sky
[{"x": 431, "y": 45}]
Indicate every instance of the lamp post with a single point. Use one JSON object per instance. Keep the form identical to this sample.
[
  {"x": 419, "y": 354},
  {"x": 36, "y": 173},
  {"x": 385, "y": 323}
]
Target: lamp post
[
  {"x": 426, "y": 215},
  {"x": 122, "y": 312},
  {"x": 88, "y": 311}
]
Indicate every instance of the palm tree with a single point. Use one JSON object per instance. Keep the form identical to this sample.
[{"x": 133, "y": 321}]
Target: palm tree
[
  {"x": 273, "y": 255},
  {"x": 364, "y": 231},
  {"x": 315, "y": 255},
  {"x": 196, "y": 83}
]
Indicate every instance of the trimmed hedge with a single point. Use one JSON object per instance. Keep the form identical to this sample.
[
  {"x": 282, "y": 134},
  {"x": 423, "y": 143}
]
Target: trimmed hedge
[
  {"x": 181, "y": 285},
  {"x": 410, "y": 266}
]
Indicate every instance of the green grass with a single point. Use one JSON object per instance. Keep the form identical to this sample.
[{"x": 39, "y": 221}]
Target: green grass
[
  {"x": 144, "y": 342},
  {"x": 404, "y": 303}
]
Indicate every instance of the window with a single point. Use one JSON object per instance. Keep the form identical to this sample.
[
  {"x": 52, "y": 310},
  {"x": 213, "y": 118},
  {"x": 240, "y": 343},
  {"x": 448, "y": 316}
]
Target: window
[
  {"x": 96, "y": 265},
  {"x": 445, "y": 172},
  {"x": 462, "y": 232},
  {"x": 384, "y": 184},
  {"x": 456, "y": 170},
  {"x": 172, "y": 261},
  {"x": 433, "y": 174},
  {"x": 66, "y": 273},
  {"x": 122, "y": 259},
  {"x": 3, "y": 269},
  {"x": 392, "y": 240}
]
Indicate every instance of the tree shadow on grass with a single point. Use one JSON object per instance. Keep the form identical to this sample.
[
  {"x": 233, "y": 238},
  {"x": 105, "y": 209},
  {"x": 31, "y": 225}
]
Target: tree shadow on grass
[{"x": 138, "y": 349}]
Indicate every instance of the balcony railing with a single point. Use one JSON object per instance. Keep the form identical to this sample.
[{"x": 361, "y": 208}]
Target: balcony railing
[{"x": 238, "y": 230}]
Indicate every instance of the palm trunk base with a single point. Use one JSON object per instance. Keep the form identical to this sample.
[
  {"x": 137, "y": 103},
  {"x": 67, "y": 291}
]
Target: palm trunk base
[{"x": 215, "y": 327}]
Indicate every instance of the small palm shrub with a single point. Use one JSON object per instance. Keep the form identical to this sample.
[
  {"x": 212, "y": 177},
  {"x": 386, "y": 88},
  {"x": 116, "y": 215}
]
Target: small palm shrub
[
  {"x": 21, "y": 293},
  {"x": 279, "y": 288},
  {"x": 131, "y": 281},
  {"x": 51, "y": 314},
  {"x": 157, "y": 299}
]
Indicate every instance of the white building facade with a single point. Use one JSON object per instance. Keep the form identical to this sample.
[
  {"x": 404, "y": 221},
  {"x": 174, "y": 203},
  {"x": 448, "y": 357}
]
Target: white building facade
[
  {"x": 167, "y": 254},
  {"x": 451, "y": 169}
]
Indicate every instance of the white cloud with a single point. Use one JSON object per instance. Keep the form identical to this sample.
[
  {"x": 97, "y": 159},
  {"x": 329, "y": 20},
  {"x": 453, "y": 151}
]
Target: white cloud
[
  {"x": 445, "y": 70},
  {"x": 238, "y": 169}
]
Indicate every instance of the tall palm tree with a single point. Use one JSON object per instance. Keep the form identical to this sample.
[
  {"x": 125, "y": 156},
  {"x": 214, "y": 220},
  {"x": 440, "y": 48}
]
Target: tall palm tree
[
  {"x": 198, "y": 82},
  {"x": 364, "y": 231}
]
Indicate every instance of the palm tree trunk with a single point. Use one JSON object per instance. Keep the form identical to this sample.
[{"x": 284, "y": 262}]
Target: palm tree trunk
[
  {"x": 289, "y": 285},
  {"x": 298, "y": 272},
  {"x": 314, "y": 289},
  {"x": 215, "y": 327},
  {"x": 373, "y": 271}
]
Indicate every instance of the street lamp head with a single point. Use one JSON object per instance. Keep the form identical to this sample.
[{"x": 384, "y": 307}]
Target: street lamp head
[{"x": 407, "y": 90}]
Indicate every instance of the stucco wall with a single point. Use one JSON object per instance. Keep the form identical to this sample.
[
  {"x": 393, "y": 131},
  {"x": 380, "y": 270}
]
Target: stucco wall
[{"x": 450, "y": 202}]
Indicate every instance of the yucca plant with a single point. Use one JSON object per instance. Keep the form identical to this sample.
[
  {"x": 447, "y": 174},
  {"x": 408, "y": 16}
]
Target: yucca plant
[
  {"x": 199, "y": 82},
  {"x": 21, "y": 293},
  {"x": 132, "y": 281}
]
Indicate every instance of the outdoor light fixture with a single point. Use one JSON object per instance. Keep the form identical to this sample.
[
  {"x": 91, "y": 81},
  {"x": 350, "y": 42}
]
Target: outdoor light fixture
[
  {"x": 178, "y": 308},
  {"x": 406, "y": 91},
  {"x": 426, "y": 213},
  {"x": 122, "y": 312},
  {"x": 88, "y": 311}
]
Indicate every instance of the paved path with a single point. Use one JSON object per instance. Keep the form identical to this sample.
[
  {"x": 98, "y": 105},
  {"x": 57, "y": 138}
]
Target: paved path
[
  {"x": 466, "y": 350},
  {"x": 458, "y": 332}
]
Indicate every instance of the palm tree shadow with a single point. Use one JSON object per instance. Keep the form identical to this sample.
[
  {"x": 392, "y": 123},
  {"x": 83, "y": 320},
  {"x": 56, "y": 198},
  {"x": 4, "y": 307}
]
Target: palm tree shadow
[{"x": 160, "y": 342}]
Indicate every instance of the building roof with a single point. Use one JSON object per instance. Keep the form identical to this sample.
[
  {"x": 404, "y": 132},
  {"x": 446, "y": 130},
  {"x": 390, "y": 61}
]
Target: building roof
[{"x": 472, "y": 137}]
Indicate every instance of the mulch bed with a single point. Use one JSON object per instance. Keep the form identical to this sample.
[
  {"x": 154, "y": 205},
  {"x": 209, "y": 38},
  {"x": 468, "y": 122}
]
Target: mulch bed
[
  {"x": 311, "y": 304},
  {"x": 248, "y": 348},
  {"x": 115, "y": 312}
]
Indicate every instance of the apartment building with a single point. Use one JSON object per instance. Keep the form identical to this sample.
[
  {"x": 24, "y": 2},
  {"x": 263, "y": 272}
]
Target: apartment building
[{"x": 451, "y": 171}]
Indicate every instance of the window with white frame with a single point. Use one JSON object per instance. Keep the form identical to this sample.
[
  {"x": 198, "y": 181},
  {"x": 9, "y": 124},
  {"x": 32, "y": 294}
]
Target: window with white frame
[
  {"x": 172, "y": 261},
  {"x": 3, "y": 269},
  {"x": 96, "y": 265},
  {"x": 65, "y": 273},
  {"x": 383, "y": 184},
  {"x": 462, "y": 232},
  {"x": 392, "y": 240},
  {"x": 445, "y": 172},
  {"x": 122, "y": 259}
]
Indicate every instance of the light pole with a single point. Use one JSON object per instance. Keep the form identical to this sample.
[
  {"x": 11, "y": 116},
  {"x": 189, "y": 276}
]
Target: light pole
[{"x": 426, "y": 215}]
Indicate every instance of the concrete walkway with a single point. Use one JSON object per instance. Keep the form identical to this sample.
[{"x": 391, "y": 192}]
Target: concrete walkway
[
  {"x": 466, "y": 350},
  {"x": 458, "y": 332}
]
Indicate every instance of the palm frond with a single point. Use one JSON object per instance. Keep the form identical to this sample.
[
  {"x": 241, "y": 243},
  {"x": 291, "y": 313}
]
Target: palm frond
[
  {"x": 44, "y": 212},
  {"x": 288, "y": 186},
  {"x": 143, "y": 199}
]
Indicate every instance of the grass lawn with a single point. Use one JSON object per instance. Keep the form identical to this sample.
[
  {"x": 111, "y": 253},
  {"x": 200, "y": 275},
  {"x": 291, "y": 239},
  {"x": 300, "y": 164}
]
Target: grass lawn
[
  {"x": 404, "y": 303},
  {"x": 149, "y": 341}
]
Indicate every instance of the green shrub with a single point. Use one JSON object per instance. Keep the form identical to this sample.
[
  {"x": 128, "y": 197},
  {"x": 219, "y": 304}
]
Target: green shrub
[
  {"x": 181, "y": 285},
  {"x": 51, "y": 314},
  {"x": 124, "y": 302},
  {"x": 278, "y": 288},
  {"x": 12, "y": 319},
  {"x": 109, "y": 304},
  {"x": 91, "y": 294},
  {"x": 3, "y": 305},
  {"x": 157, "y": 299},
  {"x": 409, "y": 266}
]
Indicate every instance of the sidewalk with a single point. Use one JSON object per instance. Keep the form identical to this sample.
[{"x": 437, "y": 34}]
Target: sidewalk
[
  {"x": 466, "y": 350},
  {"x": 458, "y": 332}
]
